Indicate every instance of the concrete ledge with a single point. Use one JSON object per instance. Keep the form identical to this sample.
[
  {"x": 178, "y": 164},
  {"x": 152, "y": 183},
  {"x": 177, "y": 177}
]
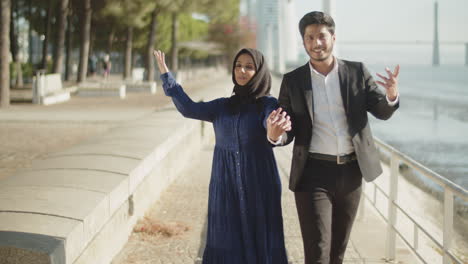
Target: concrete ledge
[
  {"x": 48, "y": 89},
  {"x": 102, "y": 89},
  {"x": 141, "y": 87},
  {"x": 26, "y": 94},
  {"x": 85, "y": 201},
  {"x": 56, "y": 97}
]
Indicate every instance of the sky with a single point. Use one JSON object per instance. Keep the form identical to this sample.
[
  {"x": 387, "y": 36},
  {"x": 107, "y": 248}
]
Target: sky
[{"x": 395, "y": 20}]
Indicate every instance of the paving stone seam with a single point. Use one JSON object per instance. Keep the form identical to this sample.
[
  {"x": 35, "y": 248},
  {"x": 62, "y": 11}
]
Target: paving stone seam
[
  {"x": 57, "y": 186},
  {"x": 80, "y": 169},
  {"x": 36, "y": 213},
  {"x": 91, "y": 154}
]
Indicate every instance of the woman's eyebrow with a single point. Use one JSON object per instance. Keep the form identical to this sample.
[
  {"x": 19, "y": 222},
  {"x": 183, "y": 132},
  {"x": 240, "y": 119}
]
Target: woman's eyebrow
[{"x": 245, "y": 63}]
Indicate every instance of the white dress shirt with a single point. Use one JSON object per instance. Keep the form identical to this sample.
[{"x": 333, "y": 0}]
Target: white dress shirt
[{"x": 330, "y": 133}]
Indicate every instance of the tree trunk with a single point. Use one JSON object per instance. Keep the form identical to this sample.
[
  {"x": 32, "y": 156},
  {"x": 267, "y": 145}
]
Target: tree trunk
[
  {"x": 150, "y": 46},
  {"x": 174, "y": 48},
  {"x": 85, "y": 36},
  {"x": 48, "y": 30},
  {"x": 30, "y": 38},
  {"x": 69, "y": 42},
  {"x": 60, "y": 41},
  {"x": 92, "y": 40},
  {"x": 110, "y": 40},
  {"x": 14, "y": 45},
  {"x": 5, "y": 6},
  {"x": 128, "y": 53}
]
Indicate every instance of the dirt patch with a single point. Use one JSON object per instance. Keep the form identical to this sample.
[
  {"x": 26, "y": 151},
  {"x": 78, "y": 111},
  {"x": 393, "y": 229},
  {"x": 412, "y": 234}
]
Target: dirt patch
[{"x": 153, "y": 227}]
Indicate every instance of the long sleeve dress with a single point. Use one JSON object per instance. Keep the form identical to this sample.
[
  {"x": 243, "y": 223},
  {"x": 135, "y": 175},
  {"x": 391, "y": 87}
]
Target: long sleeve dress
[{"x": 245, "y": 224}]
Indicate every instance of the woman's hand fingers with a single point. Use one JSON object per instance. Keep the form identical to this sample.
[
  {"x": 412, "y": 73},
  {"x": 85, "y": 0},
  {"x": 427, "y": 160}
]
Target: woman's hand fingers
[{"x": 160, "y": 59}]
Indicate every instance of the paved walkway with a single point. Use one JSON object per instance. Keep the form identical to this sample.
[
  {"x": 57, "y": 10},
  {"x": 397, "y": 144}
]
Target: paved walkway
[
  {"x": 29, "y": 132},
  {"x": 184, "y": 204}
]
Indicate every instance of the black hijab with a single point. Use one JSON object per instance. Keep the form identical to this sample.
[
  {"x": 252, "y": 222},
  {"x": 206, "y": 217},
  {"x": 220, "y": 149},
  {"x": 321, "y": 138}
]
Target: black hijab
[{"x": 258, "y": 86}]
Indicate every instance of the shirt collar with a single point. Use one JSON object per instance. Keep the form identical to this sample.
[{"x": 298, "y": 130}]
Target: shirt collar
[{"x": 333, "y": 71}]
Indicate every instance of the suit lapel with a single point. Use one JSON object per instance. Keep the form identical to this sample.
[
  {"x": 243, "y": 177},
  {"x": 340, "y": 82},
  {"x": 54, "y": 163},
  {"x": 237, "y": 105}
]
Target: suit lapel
[
  {"x": 307, "y": 89},
  {"x": 343, "y": 76}
]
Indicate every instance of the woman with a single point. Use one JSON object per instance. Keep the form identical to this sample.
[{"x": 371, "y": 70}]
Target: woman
[{"x": 245, "y": 224}]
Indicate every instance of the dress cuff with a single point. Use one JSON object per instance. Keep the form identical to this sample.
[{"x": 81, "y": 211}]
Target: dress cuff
[
  {"x": 394, "y": 102},
  {"x": 165, "y": 77},
  {"x": 276, "y": 143}
]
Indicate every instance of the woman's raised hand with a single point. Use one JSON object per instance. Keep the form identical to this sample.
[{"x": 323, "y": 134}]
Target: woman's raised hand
[{"x": 161, "y": 60}]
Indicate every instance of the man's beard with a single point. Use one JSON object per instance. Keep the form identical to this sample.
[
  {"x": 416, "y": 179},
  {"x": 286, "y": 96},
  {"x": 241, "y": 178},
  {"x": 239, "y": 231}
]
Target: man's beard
[{"x": 328, "y": 53}]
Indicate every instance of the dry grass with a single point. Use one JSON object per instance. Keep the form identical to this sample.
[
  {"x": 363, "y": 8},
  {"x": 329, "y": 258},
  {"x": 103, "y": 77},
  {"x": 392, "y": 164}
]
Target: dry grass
[{"x": 154, "y": 227}]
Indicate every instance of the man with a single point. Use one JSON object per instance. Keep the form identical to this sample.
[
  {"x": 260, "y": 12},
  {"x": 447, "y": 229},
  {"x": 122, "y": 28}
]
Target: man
[{"x": 327, "y": 101}]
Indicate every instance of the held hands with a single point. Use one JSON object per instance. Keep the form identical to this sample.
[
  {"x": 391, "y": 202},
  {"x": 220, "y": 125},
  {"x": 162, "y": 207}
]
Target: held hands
[
  {"x": 161, "y": 60},
  {"x": 277, "y": 123},
  {"x": 390, "y": 83}
]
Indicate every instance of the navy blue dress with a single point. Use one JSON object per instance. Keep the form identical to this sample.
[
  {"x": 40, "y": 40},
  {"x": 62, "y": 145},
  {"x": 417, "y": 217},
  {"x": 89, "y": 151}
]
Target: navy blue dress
[{"x": 245, "y": 224}]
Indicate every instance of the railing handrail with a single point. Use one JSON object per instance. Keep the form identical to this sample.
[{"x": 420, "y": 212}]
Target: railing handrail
[
  {"x": 444, "y": 182},
  {"x": 450, "y": 190}
]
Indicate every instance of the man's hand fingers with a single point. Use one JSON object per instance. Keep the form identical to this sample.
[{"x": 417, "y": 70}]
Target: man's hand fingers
[
  {"x": 382, "y": 84},
  {"x": 390, "y": 73},
  {"x": 280, "y": 122},
  {"x": 396, "y": 71},
  {"x": 382, "y": 77},
  {"x": 271, "y": 116},
  {"x": 287, "y": 127}
]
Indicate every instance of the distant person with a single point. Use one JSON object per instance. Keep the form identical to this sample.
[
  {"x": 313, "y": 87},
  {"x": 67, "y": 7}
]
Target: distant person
[
  {"x": 327, "y": 100},
  {"x": 245, "y": 225},
  {"x": 106, "y": 66},
  {"x": 92, "y": 65}
]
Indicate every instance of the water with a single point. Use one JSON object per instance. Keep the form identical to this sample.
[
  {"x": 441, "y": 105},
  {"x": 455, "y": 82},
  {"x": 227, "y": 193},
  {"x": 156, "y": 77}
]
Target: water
[{"x": 431, "y": 125}]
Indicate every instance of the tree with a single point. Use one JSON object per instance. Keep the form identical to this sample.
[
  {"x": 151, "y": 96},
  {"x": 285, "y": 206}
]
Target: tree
[
  {"x": 69, "y": 41},
  {"x": 14, "y": 45},
  {"x": 174, "y": 42},
  {"x": 48, "y": 33},
  {"x": 60, "y": 40},
  {"x": 85, "y": 39},
  {"x": 128, "y": 52},
  {"x": 224, "y": 26},
  {"x": 5, "y": 6},
  {"x": 150, "y": 46},
  {"x": 119, "y": 11},
  {"x": 218, "y": 11}
]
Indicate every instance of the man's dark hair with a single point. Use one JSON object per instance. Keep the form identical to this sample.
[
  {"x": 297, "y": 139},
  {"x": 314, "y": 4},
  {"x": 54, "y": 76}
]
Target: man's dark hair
[{"x": 319, "y": 18}]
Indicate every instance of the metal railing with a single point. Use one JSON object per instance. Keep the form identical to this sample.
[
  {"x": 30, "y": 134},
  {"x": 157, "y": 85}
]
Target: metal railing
[{"x": 450, "y": 191}]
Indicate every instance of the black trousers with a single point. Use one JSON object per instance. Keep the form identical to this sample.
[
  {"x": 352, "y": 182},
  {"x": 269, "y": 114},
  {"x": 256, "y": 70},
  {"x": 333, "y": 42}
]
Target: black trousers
[{"x": 327, "y": 200}]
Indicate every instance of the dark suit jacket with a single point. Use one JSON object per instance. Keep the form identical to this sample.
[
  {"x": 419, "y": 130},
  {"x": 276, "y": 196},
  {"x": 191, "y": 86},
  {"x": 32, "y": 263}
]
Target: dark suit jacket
[{"x": 360, "y": 95}]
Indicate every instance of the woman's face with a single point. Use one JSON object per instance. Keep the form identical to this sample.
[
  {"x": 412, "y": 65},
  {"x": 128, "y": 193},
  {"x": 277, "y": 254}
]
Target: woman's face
[{"x": 244, "y": 69}]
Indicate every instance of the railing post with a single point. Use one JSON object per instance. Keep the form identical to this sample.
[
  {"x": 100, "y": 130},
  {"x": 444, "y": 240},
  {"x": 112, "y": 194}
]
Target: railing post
[
  {"x": 392, "y": 197},
  {"x": 448, "y": 223},
  {"x": 466, "y": 54}
]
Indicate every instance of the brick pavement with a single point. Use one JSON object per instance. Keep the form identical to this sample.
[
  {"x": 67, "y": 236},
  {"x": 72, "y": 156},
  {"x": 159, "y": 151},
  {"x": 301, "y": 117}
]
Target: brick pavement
[{"x": 185, "y": 203}]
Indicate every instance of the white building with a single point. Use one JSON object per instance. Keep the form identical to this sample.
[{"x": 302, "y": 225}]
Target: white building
[{"x": 275, "y": 30}]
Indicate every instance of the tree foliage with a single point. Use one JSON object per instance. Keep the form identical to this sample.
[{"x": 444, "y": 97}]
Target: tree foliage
[{"x": 111, "y": 19}]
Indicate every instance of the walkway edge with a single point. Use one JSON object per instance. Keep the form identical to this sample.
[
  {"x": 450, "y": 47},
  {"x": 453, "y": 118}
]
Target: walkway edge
[{"x": 90, "y": 196}]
